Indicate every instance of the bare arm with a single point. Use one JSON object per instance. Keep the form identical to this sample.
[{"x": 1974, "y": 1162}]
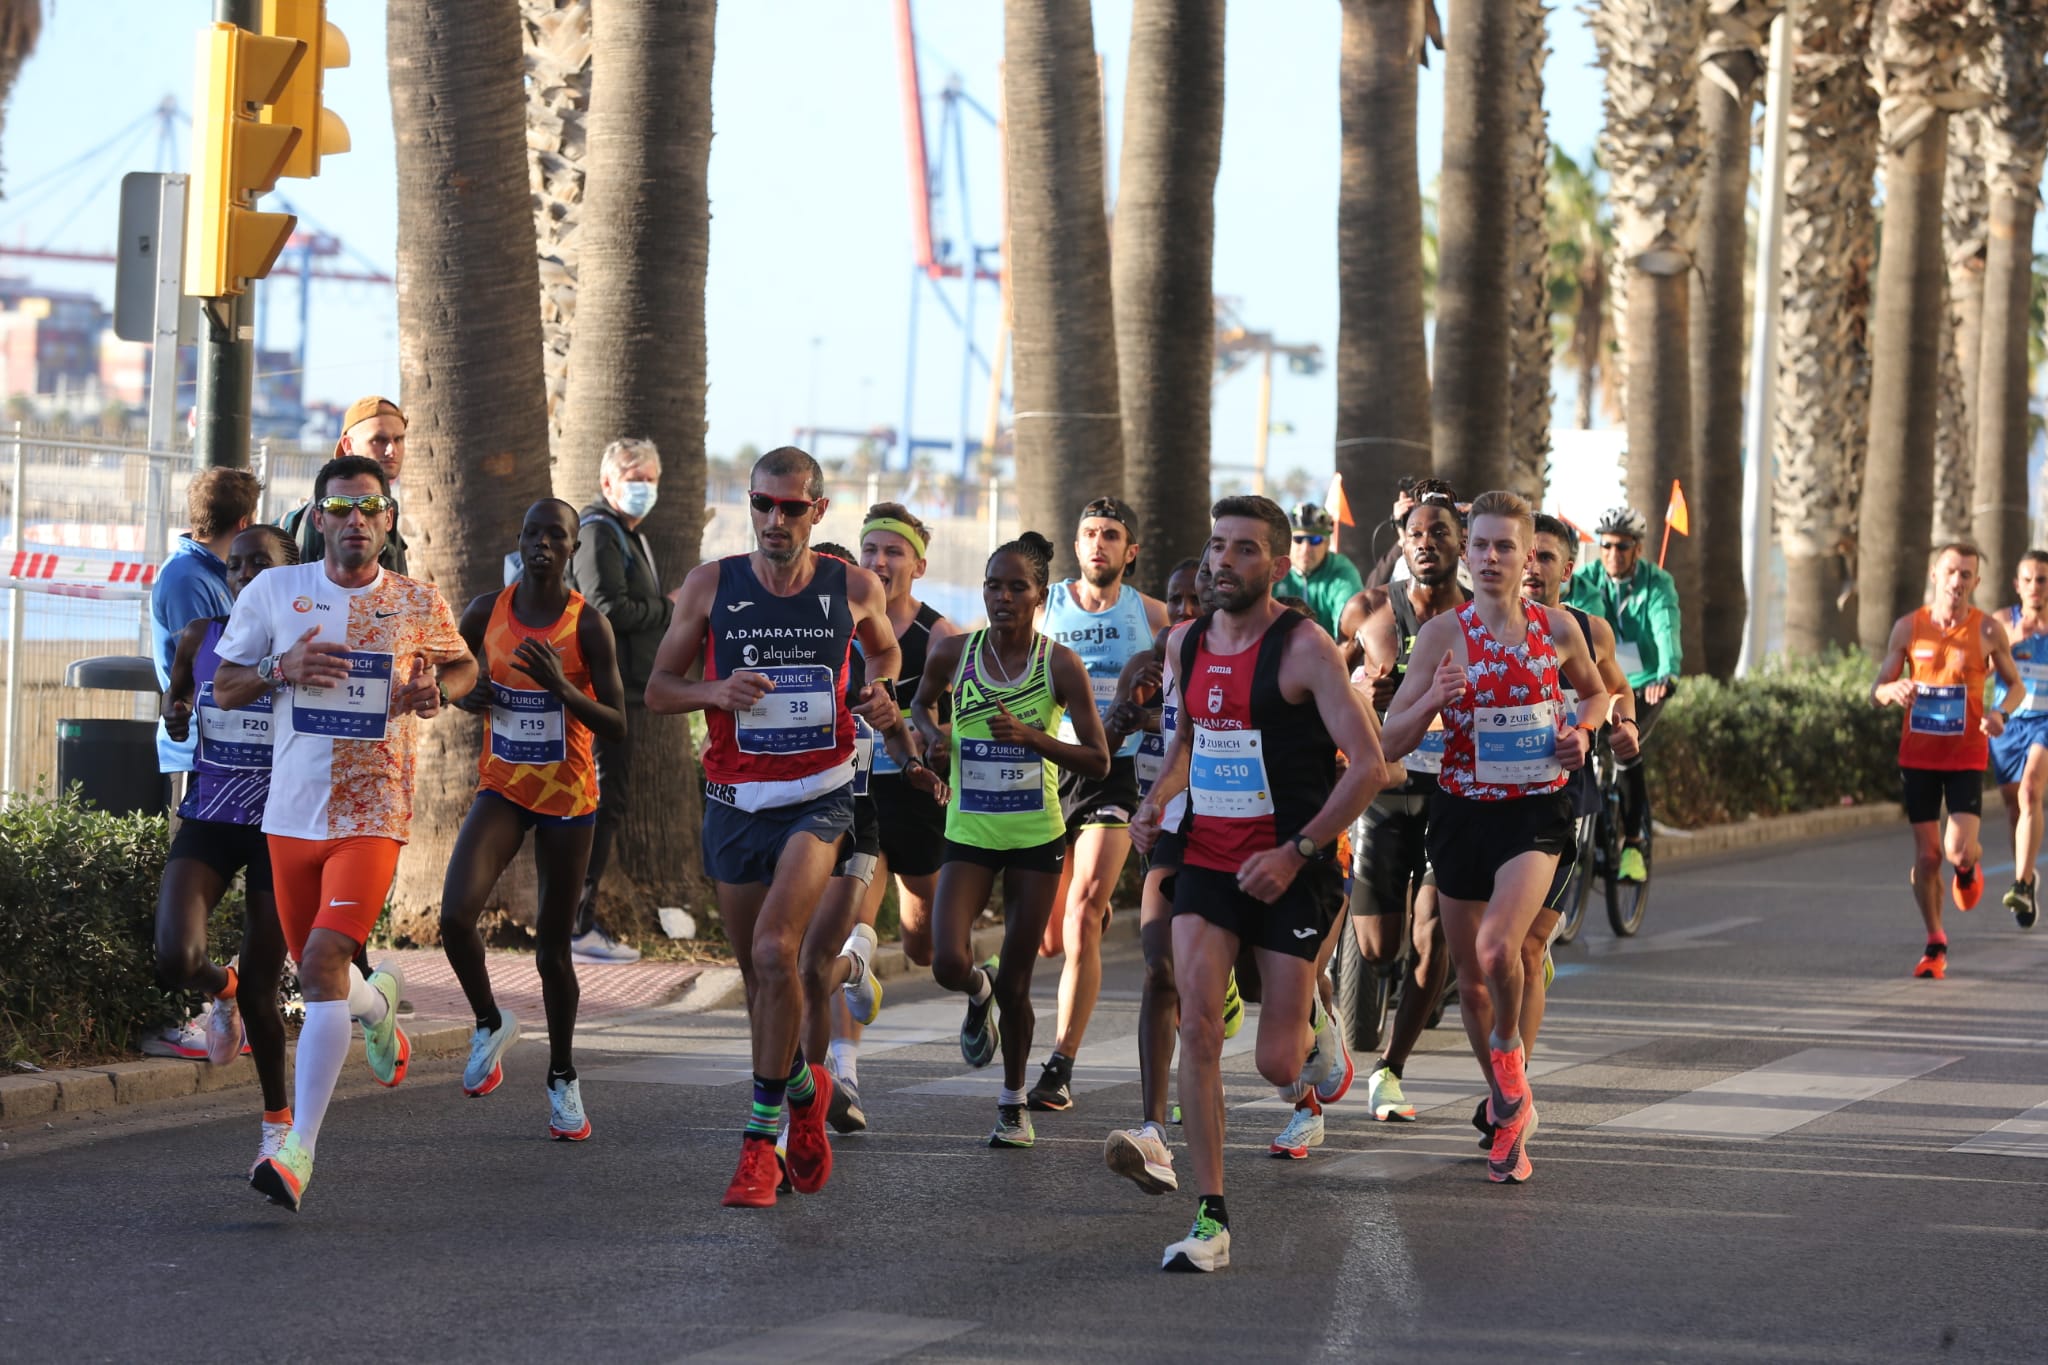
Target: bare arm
[
  {"x": 1891, "y": 689},
  {"x": 1089, "y": 754},
  {"x": 671, "y": 690},
  {"x": 176, "y": 707},
  {"x": 606, "y": 715},
  {"x": 2012, "y": 688},
  {"x": 1424, "y": 692},
  {"x": 1351, "y": 620},
  {"x": 941, "y": 661}
]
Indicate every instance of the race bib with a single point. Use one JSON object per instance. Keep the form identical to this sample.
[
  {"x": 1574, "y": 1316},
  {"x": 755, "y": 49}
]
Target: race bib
[
  {"x": 233, "y": 739},
  {"x": 1227, "y": 775},
  {"x": 1515, "y": 746},
  {"x": 526, "y": 725},
  {"x": 1629, "y": 655},
  {"x": 1428, "y": 757},
  {"x": 798, "y": 717},
  {"x": 866, "y": 749},
  {"x": 1938, "y": 710},
  {"x": 2035, "y": 677},
  {"x": 1105, "y": 698},
  {"x": 1000, "y": 779},
  {"x": 357, "y": 707}
]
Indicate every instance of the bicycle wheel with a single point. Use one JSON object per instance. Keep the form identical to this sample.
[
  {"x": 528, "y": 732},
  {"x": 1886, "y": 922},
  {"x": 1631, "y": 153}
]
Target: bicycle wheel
[
  {"x": 1365, "y": 1016},
  {"x": 1628, "y": 902},
  {"x": 1580, "y": 888}
]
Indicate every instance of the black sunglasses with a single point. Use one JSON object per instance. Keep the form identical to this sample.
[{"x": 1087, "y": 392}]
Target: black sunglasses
[
  {"x": 791, "y": 508},
  {"x": 1308, "y": 539},
  {"x": 1607, "y": 545}
]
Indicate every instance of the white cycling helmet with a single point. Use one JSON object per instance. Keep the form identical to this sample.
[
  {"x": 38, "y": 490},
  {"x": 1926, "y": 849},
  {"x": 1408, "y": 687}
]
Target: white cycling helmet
[{"x": 1623, "y": 521}]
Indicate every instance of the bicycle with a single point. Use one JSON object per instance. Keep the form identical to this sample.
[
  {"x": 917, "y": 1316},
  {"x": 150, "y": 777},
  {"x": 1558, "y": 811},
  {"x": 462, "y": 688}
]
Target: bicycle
[{"x": 1601, "y": 840}]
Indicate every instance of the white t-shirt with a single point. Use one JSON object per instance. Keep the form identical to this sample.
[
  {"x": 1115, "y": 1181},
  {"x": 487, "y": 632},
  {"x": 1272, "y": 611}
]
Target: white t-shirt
[{"x": 342, "y": 764}]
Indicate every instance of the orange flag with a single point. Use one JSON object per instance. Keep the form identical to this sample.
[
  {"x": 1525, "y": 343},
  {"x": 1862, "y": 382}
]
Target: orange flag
[
  {"x": 1675, "y": 515},
  {"x": 1335, "y": 504}
]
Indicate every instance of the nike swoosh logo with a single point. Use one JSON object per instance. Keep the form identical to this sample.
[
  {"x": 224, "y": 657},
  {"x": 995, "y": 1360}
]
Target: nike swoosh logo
[
  {"x": 333, "y": 904},
  {"x": 383, "y": 615}
]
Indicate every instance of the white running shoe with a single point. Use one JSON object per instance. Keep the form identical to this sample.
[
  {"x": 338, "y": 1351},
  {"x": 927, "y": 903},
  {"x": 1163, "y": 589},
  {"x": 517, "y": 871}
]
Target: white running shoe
[
  {"x": 1384, "y": 1096},
  {"x": 187, "y": 1040},
  {"x": 598, "y": 949},
  {"x": 1140, "y": 1155},
  {"x": 1329, "y": 1067},
  {"x": 566, "y": 1120},
  {"x": 1303, "y": 1131},
  {"x": 863, "y": 990},
  {"x": 224, "y": 1032},
  {"x": 485, "y": 1068},
  {"x": 274, "y": 1135},
  {"x": 1206, "y": 1247}
]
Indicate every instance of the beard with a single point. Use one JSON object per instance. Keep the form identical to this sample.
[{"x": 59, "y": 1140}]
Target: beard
[
  {"x": 1238, "y": 597},
  {"x": 1104, "y": 577},
  {"x": 1443, "y": 572}
]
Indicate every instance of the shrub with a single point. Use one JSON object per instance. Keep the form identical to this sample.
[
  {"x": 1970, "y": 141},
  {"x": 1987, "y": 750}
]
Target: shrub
[{"x": 1799, "y": 734}]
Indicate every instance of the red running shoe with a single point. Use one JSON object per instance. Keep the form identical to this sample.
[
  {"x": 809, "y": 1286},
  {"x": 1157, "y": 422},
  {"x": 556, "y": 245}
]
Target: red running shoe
[
  {"x": 810, "y": 1150},
  {"x": 1933, "y": 966},
  {"x": 1967, "y": 891},
  {"x": 753, "y": 1184}
]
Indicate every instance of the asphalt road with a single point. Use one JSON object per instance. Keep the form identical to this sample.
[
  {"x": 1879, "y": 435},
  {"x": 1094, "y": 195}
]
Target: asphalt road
[{"x": 1760, "y": 1141}]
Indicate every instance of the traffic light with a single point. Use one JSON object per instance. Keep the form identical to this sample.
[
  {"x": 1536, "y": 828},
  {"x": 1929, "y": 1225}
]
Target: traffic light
[
  {"x": 235, "y": 158},
  {"x": 298, "y": 104}
]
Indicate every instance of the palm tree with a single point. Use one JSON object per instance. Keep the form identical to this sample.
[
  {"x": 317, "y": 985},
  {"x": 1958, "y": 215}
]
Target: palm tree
[
  {"x": 1581, "y": 241},
  {"x": 1921, "y": 49},
  {"x": 1651, "y": 146},
  {"x": 1530, "y": 358},
  {"x": 2015, "y": 131},
  {"x": 557, "y": 36},
  {"x": 1069, "y": 438},
  {"x": 21, "y": 23},
  {"x": 1962, "y": 231},
  {"x": 1383, "y": 415},
  {"x": 638, "y": 364},
  {"x": 1164, "y": 240},
  {"x": 1482, "y": 125},
  {"x": 469, "y": 353}
]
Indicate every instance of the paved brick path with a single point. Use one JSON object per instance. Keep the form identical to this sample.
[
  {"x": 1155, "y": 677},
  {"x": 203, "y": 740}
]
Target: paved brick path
[{"x": 613, "y": 989}]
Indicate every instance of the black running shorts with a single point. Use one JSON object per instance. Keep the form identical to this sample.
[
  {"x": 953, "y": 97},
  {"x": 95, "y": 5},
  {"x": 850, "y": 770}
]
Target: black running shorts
[
  {"x": 226, "y": 848},
  {"x": 1294, "y": 925},
  {"x": 1391, "y": 853},
  {"x": 1927, "y": 790},
  {"x": 1047, "y": 857},
  {"x": 1106, "y": 803},
  {"x": 1470, "y": 841},
  {"x": 913, "y": 826}
]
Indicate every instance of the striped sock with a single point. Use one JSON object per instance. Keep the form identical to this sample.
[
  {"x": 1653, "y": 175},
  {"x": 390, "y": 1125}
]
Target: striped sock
[
  {"x": 802, "y": 1089},
  {"x": 766, "y": 1119}
]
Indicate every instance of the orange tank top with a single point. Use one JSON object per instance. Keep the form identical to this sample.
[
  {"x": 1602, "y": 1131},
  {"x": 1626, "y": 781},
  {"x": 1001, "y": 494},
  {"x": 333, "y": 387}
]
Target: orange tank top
[
  {"x": 1943, "y": 728},
  {"x": 536, "y": 753}
]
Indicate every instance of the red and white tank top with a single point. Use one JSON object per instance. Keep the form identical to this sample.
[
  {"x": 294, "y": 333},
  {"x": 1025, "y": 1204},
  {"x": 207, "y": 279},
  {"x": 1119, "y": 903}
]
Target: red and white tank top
[{"x": 1501, "y": 734}]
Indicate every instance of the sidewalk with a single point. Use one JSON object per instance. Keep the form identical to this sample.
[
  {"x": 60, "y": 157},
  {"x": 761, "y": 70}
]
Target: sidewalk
[{"x": 614, "y": 988}]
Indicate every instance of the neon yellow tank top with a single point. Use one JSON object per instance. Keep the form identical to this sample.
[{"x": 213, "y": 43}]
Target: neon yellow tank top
[{"x": 1004, "y": 795}]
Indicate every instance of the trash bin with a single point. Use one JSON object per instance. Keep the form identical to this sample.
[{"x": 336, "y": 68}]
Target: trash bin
[{"x": 113, "y": 761}]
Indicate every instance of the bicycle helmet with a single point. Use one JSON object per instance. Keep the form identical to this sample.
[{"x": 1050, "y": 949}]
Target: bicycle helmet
[
  {"x": 1311, "y": 519},
  {"x": 1622, "y": 521}
]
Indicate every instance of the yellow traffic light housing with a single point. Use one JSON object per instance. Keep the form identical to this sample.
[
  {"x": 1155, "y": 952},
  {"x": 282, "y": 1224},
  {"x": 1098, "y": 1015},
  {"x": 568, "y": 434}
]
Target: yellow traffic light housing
[
  {"x": 235, "y": 158},
  {"x": 298, "y": 104}
]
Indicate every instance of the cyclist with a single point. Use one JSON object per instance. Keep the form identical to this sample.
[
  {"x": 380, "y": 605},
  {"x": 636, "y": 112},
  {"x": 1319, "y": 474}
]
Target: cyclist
[
  {"x": 2020, "y": 754},
  {"x": 1322, "y": 577},
  {"x": 1640, "y": 602}
]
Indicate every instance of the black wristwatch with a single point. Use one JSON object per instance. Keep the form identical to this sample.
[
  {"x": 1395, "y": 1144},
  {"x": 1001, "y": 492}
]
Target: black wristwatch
[{"x": 1305, "y": 846}]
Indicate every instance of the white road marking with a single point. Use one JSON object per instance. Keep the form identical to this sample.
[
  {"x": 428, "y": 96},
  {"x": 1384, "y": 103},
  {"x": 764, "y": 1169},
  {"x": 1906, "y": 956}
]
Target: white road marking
[
  {"x": 1688, "y": 937},
  {"x": 1781, "y": 1096},
  {"x": 2022, "y": 1135},
  {"x": 852, "y": 1338}
]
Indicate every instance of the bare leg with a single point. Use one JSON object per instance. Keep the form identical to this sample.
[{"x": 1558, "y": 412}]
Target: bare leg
[
  {"x": 1159, "y": 1003},
  {"x": 489, "y": 840},
  {"x": 1203, "y": 954},
  {"x": 767, "y": 925},
  {"x": 1097, "y": 858},
  {"x": 1926, "y": 876},
  {"x": 1427, "y": 977},
  {"x": 823, "y": 968},
  {"x": 1534, "y": 993},
  {"x": 1027, "y": 905},
  {"x": 561, "y": 857}
]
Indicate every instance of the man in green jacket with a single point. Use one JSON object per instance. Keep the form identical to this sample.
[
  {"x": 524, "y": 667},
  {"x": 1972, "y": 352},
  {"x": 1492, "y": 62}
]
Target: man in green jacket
[
  {"x": 1323, "y": 578},
  {"x": 1640, "y": 601}
]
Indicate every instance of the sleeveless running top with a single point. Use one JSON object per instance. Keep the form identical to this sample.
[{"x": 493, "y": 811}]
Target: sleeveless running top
[
  {"x": 231, "y": 773},
  {"x": 1152, "y": 750},
  {"x": 867, "y": 745},
  {"x": 536, "y": 753},
  {"x": 1427, "y": 759},
  {"x": 1105, "y": 640},
  {"x": 915, "y": 642},
  {"x": 797, "y": 741},
  {"x": 1943, "y": 727},
  {"x": 1004, "y": 795},
  {"x": 1501, "y": 735},
  {"x": 1246, "y": 733},
  {"x": 2030, "y": 652}
]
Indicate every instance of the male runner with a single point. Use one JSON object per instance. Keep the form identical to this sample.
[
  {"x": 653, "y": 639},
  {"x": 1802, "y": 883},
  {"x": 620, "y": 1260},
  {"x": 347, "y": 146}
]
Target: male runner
[
  {"x": 2020, "y": 754},
  {"x": 1935, "y": 667},
  {"x": 1106, "y": 621},
  {"x": 773, "y": 631},
  {"x": 350, "y": 653},
  {"x": 1265, "y": 705},
  {"x": 551, "y": 685}
]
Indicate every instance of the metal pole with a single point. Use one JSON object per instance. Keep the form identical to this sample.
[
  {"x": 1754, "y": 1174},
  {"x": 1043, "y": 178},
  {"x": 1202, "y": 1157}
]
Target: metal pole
[
  {"x": 16, "y": 509},
  {"x": 995, "y": 511},
  {"x": 227, "y": 351},
  {"x": 1759, "y": 424},
  {"x": 1265, "y": 423}
]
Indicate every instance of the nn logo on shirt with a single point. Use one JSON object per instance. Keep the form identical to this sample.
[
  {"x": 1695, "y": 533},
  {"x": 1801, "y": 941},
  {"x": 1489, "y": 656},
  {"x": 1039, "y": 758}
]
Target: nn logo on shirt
[{"x": 302, "y": 604}]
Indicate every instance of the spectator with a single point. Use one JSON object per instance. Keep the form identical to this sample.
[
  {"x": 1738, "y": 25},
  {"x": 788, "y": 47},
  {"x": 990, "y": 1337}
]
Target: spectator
[
  {"x": 1321, "y": 576},
  {"x": 193, "y": 582},
  {"x": 375, "y": 427},
  {"x": 615, "y": 573}
]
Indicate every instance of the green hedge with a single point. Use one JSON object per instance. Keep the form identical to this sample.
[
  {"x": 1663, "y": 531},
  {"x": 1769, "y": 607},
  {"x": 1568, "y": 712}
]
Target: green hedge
[{"x": 1797, "y": 735}]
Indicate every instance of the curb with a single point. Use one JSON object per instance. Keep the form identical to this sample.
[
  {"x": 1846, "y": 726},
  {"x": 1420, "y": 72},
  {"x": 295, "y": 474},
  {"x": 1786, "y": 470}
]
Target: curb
[{"x": 1682, "y": 846}]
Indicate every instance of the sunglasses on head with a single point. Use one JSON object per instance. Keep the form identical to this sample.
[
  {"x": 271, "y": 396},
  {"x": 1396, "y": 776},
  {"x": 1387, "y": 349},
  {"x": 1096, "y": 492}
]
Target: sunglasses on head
[
  {"x": 791, "y": 508},
  {"x": 1305, "y": 539},
  {"x": 372, "y": 504}
]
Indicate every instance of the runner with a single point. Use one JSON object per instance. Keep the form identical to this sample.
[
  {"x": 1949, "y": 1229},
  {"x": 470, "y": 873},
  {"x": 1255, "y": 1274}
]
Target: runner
[
  {"x": 1106, "y": 621},
  {"x": 1262, "y": 694},
  {"x": 1010, "y": 685},
  {"x": 348, "y": 653},
  {"x": 778, "y": 775},
  {"x": 1501, "y": 817},
  {"x": 1935, "y": 667},
  {"x": 536, "y": 774},
  {"x": 912, "y": 826},
  {"x": 220, "y": 833},
  {"x": 2020, "y": 754}
]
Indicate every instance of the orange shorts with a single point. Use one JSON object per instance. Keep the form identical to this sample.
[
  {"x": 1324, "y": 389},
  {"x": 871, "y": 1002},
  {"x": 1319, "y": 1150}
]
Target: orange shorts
[{"x": 337, "y": 884}]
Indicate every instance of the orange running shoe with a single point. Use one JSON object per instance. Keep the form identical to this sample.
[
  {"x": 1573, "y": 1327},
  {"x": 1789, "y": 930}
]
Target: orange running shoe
[
  {"x": 1933, "y": 964},
  {"x": 1967, "y": 891},
  {"x": 810, "y": 1150},
  {"x": 753, "y": 1184},
  {"x": 1507, "y": 1161}
]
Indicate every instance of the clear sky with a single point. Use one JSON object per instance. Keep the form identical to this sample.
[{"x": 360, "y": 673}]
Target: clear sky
[{"x": 811, "y": 243}]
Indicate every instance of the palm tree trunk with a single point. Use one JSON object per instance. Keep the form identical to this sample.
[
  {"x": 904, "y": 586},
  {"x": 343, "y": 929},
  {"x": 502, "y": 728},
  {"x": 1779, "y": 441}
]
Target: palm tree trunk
[
  {"x": 1652, "y": 144},
  {"x": 1069, "y": 437},
  {"x": 1475, "y": 219},
  {"x": 1161, "y": 267},
  {"x": 638, "y": 367},
  {"x": 1383, "y": 425},
  {"x": 1823, "y": 380},
  {"x": 557, "y": 107},
  {"x": 469, "y": 355},
  {"x": 1527, "y": 447},
  {"x": 1962, "y": 235},
  {"x": 2016, "y": 130}
]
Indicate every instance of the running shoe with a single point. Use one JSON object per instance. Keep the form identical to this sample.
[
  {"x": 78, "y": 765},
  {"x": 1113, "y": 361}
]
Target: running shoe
[
  {"x": 599, "y": 949},
  {"x": 1140, "y": 1155},
  {"x": 810, "y": 1151},
  {"x": 1329, "y": 1068},
  {"x": 1173, "y": 1115},
  {"x": 282, "y": 1179},
  {"x": 385, "y": 1046},
  {"x": 274, "y": 1135},
  {"x": 846, "y": 1115},
  {"x": 980, "y": 1037},
  {"x": 782, "y": 1185},
  {"x": 1303, "y": 1131},
  {"x": 1054, "y": 1092},
  {"x": 1507, "y": 1160},
  {"x": 485, "y": 1069},
  {"x": 1966, "y": 888},
  {"x": 566, "y": 1120},
  {"x": 1383, "y": 1095},
  {"x": 1549, "y": 970},
  {"x": 1013, "y": 1127},
  {"x": 1233, "y": 1007},
  {"x": 187, "y": 1040},
  {"x": 2020, "y": 900},
  {"x": 753, "y": 1184},
  {"x": 1933, "y": 964},
  {"x": 1632, "y": 868},
  {"x": 225, "y": 1035},
  {"x": 1205, "y": 1248},
  {"x": 863, "y": 989},
  {"x": 1482, "y": 1119}
]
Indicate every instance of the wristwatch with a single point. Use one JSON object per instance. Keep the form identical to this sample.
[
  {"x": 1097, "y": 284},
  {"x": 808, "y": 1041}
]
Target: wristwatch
[
  {"x": 1305, "y": 846},
  {"x": 270, "y": 668}
]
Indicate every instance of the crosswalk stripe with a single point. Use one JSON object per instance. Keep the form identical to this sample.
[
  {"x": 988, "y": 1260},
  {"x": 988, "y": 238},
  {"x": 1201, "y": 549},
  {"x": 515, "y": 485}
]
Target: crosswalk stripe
[
  {"x": 1782, "y": 1095},
  {"x": 852, "y": 1338},
  {"x": 1100, "y": 1065},
  {"x": 2022, "y": 1135},
  {"x": 1432, "y": 1080}
]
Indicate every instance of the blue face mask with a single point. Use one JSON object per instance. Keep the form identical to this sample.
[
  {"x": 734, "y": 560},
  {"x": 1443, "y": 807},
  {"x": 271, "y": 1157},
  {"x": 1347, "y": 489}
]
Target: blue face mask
[{"x": 636, "y": 497}]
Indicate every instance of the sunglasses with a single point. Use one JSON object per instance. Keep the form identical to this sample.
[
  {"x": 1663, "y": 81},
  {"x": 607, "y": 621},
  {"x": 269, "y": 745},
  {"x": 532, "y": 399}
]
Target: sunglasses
[
  {"x": 1308, "y": 540},
  {"x": 372, "y": 504},
  {"x": 791, "y": 508},
  {"x": 1616, "y": 545}
]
